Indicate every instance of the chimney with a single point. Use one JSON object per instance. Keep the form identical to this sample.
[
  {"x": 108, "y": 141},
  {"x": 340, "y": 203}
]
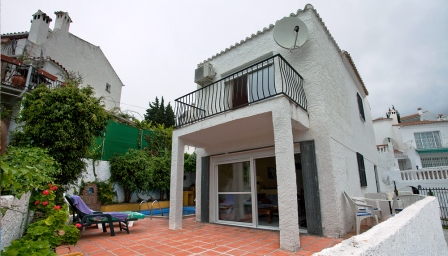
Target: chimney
[
  {"x": 420, "y": 113},
  {"x": 393, "y": 114},
  {"x": 439, "y": 117},
  {"x": 62, "y": 21},
  {"x": 40, "y": 24}
]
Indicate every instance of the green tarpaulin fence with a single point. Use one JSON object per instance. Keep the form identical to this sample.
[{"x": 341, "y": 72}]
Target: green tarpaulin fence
[{"x": 119, "y": 138}]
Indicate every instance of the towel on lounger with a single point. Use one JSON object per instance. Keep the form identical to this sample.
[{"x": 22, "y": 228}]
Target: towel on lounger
[{"x": 86, "y": 210}]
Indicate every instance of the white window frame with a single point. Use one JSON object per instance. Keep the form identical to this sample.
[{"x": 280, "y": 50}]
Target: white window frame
[
  {"x": 251, "y": 156},
  {"x": 108, "y": 87},
  {"x": 431, "y": 140}
]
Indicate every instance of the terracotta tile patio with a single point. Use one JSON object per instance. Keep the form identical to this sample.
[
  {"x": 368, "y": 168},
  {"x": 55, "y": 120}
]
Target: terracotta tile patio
[{"x": 152, "y": 237}]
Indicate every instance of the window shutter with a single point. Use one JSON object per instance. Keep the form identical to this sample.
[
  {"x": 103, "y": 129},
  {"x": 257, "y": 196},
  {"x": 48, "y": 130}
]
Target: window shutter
[
  {"x": 362, "y": 170},
  {"x": 361, "y": 107}
]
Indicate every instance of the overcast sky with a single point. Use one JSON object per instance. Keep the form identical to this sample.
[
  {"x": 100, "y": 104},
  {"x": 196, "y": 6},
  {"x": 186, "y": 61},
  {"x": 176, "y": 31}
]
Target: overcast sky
[{"x": 399, "y": 47}]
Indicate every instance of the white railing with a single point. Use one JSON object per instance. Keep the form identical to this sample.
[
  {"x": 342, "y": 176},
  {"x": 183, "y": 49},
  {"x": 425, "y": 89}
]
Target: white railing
[
  {"x": 409, "y": 144},
  {"x": 438, "y": 173},
  {"x": 383, "y": 148}
]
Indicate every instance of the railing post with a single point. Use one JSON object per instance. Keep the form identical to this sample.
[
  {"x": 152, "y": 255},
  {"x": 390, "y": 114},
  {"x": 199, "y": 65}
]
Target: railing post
[{"x": 27, "y": 83}]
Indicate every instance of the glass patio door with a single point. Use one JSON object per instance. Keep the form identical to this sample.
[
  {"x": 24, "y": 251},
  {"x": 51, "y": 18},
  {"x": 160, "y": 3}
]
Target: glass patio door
[{"x": 234, "y": 192}]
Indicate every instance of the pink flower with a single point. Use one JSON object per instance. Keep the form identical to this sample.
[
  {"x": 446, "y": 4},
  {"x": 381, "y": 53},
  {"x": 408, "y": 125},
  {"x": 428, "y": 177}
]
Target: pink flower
[
  {"x": 78, "y": 225},
  {"x": 45, "y": 192},
  {"x": 57, "y": 207},
  {"x": 44, "y": 203},
  {"x": 36, "y": 202},
  {"x": 53, "y": 187}
]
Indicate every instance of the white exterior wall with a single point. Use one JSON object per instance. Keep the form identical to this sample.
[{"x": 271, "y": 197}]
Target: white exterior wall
[
  {"x": 415, "y": 231},
  {"x": 102, "y": 171},
  {"x": 77, "y": 55},
  {"x": 333, "y": 123},
  {"x": 13, "y": 222},
  {"x": 408, "y": 132},
  {"x": 383, "y": 129}
]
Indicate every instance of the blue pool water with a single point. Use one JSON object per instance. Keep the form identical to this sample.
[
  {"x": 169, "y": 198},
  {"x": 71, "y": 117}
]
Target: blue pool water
[{"x": 187, "y": 210}]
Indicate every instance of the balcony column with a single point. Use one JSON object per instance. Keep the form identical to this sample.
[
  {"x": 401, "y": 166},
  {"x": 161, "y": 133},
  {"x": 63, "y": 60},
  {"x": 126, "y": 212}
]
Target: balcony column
[
  {"x": 286, "y": 177},
  {"x": 176, "y": 186}
]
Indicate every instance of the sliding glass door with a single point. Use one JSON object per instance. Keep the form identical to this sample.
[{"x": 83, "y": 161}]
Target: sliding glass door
[{"x": 234, "y": 192}]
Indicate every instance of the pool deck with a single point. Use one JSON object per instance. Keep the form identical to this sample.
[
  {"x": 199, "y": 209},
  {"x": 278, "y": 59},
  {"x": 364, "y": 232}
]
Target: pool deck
[{"x": 152, "y": 237}]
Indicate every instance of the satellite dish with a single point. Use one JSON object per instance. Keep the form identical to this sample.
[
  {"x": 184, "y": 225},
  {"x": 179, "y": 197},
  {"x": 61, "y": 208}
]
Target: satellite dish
[
  {"x": 290, "y": 33},
  {"x": 388, "y": 139}
]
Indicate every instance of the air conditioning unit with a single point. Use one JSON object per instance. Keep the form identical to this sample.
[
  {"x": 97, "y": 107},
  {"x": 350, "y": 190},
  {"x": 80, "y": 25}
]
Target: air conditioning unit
[{"x": 204, "y": 74}]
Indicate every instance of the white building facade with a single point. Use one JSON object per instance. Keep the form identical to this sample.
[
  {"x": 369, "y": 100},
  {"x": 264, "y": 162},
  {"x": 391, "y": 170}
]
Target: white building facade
[
  {"x": 413, "y": 149},
  {"x": 279, "y": 136},
  {"x": 49, "y": 56},
  {"x": 69, "y": 51}
]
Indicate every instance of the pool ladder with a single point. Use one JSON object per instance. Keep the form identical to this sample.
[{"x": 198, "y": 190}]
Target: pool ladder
[{"x": 150, "y": 209}]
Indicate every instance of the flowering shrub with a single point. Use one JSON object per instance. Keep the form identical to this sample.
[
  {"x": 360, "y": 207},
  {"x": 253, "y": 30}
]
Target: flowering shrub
[
  {"x": 42, "y": 201},
  {"x": 49, "y": 228}
]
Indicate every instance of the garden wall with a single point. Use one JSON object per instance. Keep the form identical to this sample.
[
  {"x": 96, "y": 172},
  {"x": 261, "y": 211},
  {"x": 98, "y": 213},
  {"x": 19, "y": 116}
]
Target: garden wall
[
  {"x": 102, "y": 170},
  {"x": 13, "y": 223},
  {"x": 415, "y": 231}
]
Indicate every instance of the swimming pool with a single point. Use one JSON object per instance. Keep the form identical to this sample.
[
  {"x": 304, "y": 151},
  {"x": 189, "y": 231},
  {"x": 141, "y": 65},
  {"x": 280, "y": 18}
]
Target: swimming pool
[{"x": 187, "y": 210}]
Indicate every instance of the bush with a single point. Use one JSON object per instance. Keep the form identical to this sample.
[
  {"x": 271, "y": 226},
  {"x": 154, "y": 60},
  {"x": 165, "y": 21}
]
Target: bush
[
  {"x": 26, "y": 168},
  {"x": 65, "y": 121},
  {"x": 132, "y": 172},
  {"x": 106, "y": 193},
  {"x": 161, "y": 168},
  {"x": 48, "y": 229}
]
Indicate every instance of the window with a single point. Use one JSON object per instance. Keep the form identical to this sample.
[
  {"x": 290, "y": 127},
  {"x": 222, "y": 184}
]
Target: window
[
  {"x": 434, "y": 161},
  {"x": 427, "y": 140},
  {"x": 362, "y": 170},
  {"x": 108, "y": 87},
  {"x": 255, "y": 84},
  {"x": 360, "y": 107}
]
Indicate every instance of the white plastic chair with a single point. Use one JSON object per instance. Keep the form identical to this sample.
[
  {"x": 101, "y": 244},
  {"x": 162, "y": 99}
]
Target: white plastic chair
[
  {"x": 376, "y": 206},
  {"x": 402, "y": 201},
  {"x": 362, "y": 210}
]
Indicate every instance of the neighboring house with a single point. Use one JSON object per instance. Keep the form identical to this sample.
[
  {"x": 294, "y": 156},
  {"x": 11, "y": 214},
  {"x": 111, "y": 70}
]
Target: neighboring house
[
  {"x": 45, "y": 55},
  {"x": 416, "y": 145},
  {"x": 279, "y": 136}
]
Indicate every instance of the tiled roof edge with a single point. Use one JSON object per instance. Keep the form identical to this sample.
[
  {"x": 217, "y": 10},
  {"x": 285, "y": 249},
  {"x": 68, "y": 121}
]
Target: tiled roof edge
[
  {"x": 307, "y": 7},
  {"x": 381, "y": 119},
  {"x": 352, "y": 63},
  {"x": 420, "y": 123}
]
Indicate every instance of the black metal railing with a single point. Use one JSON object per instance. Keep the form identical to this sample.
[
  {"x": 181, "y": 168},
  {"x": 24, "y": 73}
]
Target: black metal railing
[
  {"x": 245, "y": 87},
  {"x": 9, "y": 46},
  {"x": 17, "y": 76},
  {"x": 442, "y": 196},
  {"x": 37, "y": 79},
  {"x": 14, "y": 75}
]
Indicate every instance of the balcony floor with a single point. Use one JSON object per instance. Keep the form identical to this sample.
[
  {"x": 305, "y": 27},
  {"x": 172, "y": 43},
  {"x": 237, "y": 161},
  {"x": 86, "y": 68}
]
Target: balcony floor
[{"x": 152, "y": 237}]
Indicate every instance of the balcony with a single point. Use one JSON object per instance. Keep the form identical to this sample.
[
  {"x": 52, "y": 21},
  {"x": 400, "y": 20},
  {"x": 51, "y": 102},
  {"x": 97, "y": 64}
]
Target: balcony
[
  {"x": 17, "y": 78},
  {"x": 266, "y": 79},
  {"x": 382, "y": 148}
]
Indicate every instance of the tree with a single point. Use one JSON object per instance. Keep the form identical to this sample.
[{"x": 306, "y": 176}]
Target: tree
[
  {"x": 159, "y": 140},
  {"x": 152, "y": 111},
  {"x": 161, "y": 168},
  {"x": 190, "y": 162},
  {"x": 132, "y": 172},
  {"x": 65, "y": 121},
  {"x": 157, "y": 113},
  {"x": 159, "y": 147},
  {"x": 169, "y": 116}
]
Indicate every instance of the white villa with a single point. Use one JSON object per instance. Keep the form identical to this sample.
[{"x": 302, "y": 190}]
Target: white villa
[
  {"x": 53, "y": 54},
  {"x": 413, "y": 149},
  {"x": 280, "y": 134}
]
